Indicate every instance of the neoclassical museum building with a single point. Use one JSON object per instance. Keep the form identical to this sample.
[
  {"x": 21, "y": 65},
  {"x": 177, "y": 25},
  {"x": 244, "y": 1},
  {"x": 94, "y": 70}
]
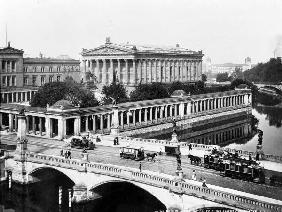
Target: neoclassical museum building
[
  {"x": 132, "y": 65},
  {"x": 21, "y": 77}
]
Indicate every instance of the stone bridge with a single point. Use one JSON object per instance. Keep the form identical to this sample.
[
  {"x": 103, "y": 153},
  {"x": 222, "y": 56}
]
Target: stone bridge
[{"x": 171, "y": 191}]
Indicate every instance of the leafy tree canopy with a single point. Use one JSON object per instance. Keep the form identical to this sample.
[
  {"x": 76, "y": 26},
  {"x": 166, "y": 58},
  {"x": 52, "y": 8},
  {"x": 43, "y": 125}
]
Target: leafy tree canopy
[
  {"x": 116, "y": 91},
  {"x": 149, "y": 91},
  {"x": 270, "y": 72},
  {"x": 222, "y": 77},
  {"x": 204, "y": 77},
  {"x": 52, "y": 92}
]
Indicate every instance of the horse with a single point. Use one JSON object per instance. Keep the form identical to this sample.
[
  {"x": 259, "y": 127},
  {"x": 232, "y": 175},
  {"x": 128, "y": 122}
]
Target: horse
[
  {"x": 151, "y": 156},
  {"x": 195, "y": 159}
]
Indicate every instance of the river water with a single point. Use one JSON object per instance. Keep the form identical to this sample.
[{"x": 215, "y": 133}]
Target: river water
[{"x": 270, "y": 121}]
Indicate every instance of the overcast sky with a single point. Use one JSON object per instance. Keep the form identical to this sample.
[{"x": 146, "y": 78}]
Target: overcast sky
[{"x": 226, "y": 30}]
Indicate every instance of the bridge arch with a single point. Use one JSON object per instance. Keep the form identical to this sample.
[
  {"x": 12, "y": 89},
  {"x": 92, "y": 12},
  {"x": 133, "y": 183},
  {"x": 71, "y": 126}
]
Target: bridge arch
[{"x": 126, "y": 194}]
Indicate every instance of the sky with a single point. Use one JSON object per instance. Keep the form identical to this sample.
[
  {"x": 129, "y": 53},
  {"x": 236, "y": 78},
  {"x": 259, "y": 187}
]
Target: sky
[{"x": 226, "y": 30}]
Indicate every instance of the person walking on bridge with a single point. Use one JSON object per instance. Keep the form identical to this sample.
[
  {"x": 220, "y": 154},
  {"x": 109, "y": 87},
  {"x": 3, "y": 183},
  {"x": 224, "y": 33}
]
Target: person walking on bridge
[{"x": 140, "y": 166}]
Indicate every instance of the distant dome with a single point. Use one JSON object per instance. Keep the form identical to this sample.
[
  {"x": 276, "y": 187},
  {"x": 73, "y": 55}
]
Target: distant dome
[
  {"x": 63, "y": 104},
  {"x": 178, "y": 93}
]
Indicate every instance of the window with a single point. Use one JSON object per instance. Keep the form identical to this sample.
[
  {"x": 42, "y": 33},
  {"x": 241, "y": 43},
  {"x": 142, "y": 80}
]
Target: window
[
  {"x": 58, "y": 68},
  {"x": 3, "y": 65},
  {"x": 34, "y": 80},
  {"x": 25, "y": 69},
  {"x": 4, "y": 80},
  {"x": 25, "y": 80},
  {"x": 50, "y": 69},
  {"x": 51, "y": 78},
  {"x": 13, "y": 65},
  {"x": 58, "y": 78},
  {"x": 13, "y": 80},
  {"x": 42, "y": 68},
  {"x": 42, "y": 80},
  {"x": 34, "y": 68},
  {"x": 8, "y": 80}
]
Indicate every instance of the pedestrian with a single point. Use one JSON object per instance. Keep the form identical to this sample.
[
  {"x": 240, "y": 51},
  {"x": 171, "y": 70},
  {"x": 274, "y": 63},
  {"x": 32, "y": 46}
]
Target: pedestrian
[
  {"x": 117, "y": 141},
  {"x": 190, "y": 147},
  {"x": 194, "y": 175},
  {"x": 98, "y": 139},
  {"x": 140, "y": 166},
  {"x": 257, "y": 156},
  {"x": 69, "y": 154},
  {"x": 204, "y": 183},
  {"x": 250, "y": 157},
  {"x": 62, "y": 152}
]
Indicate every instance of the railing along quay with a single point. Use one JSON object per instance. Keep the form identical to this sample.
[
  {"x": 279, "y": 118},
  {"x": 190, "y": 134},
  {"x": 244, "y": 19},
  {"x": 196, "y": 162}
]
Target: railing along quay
[{"x": 155, "y": 180}]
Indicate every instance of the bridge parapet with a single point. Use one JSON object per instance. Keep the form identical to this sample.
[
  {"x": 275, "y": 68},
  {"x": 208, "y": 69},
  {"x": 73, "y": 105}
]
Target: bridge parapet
[{"x": 154, "y": 179}]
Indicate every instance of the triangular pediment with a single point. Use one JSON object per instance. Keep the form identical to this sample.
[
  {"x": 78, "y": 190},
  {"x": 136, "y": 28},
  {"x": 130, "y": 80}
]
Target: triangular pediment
[
  {"x": 10, "y": 50},
  {"x": 108, "y": 50}
]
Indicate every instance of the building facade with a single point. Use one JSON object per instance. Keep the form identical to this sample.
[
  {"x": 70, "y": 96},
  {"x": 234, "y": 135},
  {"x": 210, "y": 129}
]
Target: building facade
[
  {"x": 132, "y": 65},
  {"x": 21, "y": 77}
]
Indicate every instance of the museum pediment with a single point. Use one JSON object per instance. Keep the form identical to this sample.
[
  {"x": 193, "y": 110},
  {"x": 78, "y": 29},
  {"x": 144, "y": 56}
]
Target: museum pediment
[{"x": 107, "y": 50}]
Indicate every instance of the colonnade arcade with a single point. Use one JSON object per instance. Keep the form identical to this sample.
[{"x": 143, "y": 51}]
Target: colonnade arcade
[
  {"x": 17, "y": 96},
  {"x": 133, "y": 71},
  {"x": 131, "y": 115}
]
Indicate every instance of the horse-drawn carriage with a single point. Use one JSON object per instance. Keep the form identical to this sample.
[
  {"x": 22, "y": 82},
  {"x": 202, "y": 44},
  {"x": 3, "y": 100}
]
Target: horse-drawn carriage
[
  {"x": 133, "y": 153},
  {"x": 81, "y": 142}
]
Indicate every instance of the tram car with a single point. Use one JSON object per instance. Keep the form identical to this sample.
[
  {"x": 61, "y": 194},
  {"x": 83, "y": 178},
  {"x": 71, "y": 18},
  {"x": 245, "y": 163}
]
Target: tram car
[{"x": 231, "y": 165}]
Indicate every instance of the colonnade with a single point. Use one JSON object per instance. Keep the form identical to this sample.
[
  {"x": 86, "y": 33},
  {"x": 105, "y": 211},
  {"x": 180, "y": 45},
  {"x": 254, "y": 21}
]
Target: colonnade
[
  {"x": 129, "y": 116},
  {"x": 134, "y": 71},
  {"x": 207, "y": 104},
  {"x": 17, "y": 96}
]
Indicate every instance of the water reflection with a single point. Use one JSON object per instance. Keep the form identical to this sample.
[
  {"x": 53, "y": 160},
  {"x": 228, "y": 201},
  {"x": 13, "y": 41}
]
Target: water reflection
[
  {"x": 273, "y": 114},
  {"x": 233, "y": 130}
]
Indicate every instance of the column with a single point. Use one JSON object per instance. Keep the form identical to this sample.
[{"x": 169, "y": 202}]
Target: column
[
  {"x": 86, "y": 124},
  {"x": 33, "y": 125},
  {"x": 151, "y": 114},
  {"x": 173, "y": 71},
  {"x": 111, "y": 71},
  {"x": 101, "y": 122},
  {"x": 97, "y": 72},
  {"x": 181, "y": 71},
  {"x": 156, "y": 113},
  {"x": 181, "y": 109},
  {"x": 186, "y": 70},
  {"x": 151, "y": 71},
  {"x": 77, "y": 126},
  {"x": 27, "y": 125},
  {"x": 164, "y": 71},
  {"x": 140, "y": 116},
  {"x": 61, "y": 128},
  {"x": 109, "y": 122},
  {"x": 139, "y": 72},
  {"x": 170, "y": 111},
  {"x": 145, "y": 116},
  {"x": 165, "y": 108},
  {"x": 118, "y": 71},
  {"x": 104, "y": 73},
  {"x": 40, "y": 125},
  {"x": 125, "y": 76},
  {"x": 121, "y": 119},
  {"x": 161, "y": 112},
  {"x": 47, "y": 126},
  {"x": 189, "y": 108},
  {"x": 127, "y": 117},
  {"x": 134, "y": 121},
  {"x": 134, "y": 74},
  {"x": 145, "y": 71},
  {"x": 94, "y": 123}
]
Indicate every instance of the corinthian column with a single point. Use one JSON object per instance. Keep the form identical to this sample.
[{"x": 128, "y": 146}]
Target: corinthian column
[
  {"x": 111, "y": 72},
  {"x": 104, "y": 73},
  {"x": 134, "y": 74},
  {"x": 126, "y": 72}
]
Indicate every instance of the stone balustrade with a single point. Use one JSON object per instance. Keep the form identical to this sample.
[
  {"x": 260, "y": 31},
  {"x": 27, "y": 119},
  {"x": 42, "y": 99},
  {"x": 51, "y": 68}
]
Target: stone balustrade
[{"x": 154, "y": 179}]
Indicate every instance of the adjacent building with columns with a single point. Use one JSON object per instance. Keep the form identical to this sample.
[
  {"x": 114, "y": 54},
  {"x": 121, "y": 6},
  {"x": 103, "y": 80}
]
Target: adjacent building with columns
[
  {"x": 21, "y": 77},
  {"x": 131, "y": 64}
]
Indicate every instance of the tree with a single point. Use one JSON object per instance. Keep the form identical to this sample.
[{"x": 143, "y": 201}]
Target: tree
[
  {"x": 270, "y": 72},
  {"x": 175, "y": 86},
  {"x": 52, "y": 92},
  {"x": 237, "y": 73},
  {"x": 204, "y": 77},
  {"x": 116, "y": 91},
  {"x": 149, "y": 91},
  {"x": 222, "y": 77}
]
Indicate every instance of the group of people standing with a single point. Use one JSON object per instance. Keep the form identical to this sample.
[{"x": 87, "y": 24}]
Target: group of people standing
[{"x": 66, "y": 154}]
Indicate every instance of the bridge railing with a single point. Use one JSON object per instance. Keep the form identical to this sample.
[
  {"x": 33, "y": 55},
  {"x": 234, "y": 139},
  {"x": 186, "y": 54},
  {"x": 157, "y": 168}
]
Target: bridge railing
[{"x": 156, "y": 180}]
